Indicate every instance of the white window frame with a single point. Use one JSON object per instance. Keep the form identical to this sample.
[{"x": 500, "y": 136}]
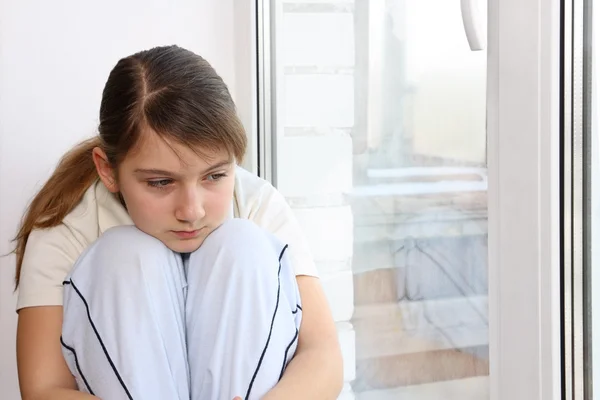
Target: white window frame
[
  {"x": 524, "y": 193},
  {"x": 246, "y": 50}
]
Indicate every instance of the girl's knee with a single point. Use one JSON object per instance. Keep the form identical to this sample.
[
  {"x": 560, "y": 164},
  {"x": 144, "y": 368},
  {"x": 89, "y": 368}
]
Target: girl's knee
[
  {"x": 121, "y": 250},
  {"x": 238, "y": 234},
  {"x": 240, "y": 247},
  {"x": 128, "y": 238}
]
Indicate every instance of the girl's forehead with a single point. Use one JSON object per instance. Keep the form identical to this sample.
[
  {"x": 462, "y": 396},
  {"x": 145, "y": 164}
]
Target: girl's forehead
[{"x": 154, "y": 149}]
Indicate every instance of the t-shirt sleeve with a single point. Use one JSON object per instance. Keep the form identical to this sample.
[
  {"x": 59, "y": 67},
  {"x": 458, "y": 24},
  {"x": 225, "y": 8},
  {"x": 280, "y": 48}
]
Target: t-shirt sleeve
[
  {"x": 49, "y": 256},
  {"x": 273, "y": 213}
]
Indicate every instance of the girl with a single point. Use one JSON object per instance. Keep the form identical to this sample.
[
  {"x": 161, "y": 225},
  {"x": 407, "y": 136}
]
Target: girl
[{"x": 150, "y": 266}]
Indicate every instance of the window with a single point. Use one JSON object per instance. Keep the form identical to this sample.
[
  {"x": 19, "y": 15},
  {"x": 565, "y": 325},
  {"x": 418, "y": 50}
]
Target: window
[{"x": 379, "y": 144}]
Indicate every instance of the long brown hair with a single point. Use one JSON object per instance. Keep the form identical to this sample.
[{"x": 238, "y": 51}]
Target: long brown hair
[{"x": 170, "y": 90}]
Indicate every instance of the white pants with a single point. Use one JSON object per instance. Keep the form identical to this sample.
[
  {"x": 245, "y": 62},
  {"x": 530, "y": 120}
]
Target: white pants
[{"x": 143, "y": 322}]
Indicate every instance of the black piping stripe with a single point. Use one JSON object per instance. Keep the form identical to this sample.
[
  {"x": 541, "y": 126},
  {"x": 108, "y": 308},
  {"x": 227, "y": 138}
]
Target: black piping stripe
[
  {"x": 72, "y": 350},
  {"x": 296, "y": 310},
  {"x": 262, "y": 356},
  {"x": 100, "y": 340},
  {"x": 281, "y": 256},
  {"x": 298, "y": 305},
  {"x": 286, "y": 354}
]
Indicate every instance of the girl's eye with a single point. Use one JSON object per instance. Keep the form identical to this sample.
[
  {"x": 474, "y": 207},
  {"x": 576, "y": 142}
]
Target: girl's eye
[
  {"x": 160, "y": 184},
  {"x": 215, "y": 177}
]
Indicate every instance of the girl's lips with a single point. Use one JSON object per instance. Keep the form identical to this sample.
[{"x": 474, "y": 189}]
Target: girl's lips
[{"x": 186, "y": 234}]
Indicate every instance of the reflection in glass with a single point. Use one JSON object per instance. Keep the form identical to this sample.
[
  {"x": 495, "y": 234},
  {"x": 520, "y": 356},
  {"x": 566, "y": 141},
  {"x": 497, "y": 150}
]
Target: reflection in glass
[{"x": 381, "y": 149}]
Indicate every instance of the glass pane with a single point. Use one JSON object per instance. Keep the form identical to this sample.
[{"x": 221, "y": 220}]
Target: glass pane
[{"x": 380, "y": 110}]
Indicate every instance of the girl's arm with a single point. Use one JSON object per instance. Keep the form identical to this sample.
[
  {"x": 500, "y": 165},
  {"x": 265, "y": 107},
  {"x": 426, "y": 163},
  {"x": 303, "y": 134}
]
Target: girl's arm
[
  {"x": 316, "y": 371},
  {"x": 43, "y": 372}
]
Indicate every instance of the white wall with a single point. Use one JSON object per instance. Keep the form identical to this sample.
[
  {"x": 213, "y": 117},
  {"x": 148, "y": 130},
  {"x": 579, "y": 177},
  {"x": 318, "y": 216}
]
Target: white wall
[{"x": 54, "y": 59}]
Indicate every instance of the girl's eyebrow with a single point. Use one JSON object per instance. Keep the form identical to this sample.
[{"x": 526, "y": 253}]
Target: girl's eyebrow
[
  {"x": 218, "y": 165},
  {"x": 154, "y": 171}
]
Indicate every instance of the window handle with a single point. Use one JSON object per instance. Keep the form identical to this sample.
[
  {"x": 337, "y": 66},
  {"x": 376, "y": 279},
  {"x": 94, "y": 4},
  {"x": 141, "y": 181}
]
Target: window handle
[{"x": 474, "y": 29}]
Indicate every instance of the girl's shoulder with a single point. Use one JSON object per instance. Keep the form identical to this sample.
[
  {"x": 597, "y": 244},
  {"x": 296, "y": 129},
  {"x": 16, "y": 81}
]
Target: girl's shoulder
[
  {"x": 250, "y": 183},
  {"x": 51, "y": 253},
  {"x": 257, "y": 200},
  {"x": 253, "y": 193}
]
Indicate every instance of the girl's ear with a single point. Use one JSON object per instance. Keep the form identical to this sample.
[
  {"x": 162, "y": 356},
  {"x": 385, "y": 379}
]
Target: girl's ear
[{"x": 107, "y": 174}]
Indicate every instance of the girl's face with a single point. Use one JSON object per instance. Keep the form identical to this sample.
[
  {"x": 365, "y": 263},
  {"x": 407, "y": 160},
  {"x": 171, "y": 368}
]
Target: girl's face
[{"x": 174, "y": 194}]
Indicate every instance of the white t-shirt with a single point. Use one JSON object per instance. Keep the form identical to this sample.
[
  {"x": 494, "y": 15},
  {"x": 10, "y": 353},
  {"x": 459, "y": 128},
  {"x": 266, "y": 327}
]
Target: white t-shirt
[{"x": 51, "y": 253}]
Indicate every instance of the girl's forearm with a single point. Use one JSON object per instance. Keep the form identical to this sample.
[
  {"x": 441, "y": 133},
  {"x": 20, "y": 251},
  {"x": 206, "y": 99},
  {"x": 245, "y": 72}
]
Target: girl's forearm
[
  {"x": 315, "y": 373},
  {"x": 63, "y": 394}
]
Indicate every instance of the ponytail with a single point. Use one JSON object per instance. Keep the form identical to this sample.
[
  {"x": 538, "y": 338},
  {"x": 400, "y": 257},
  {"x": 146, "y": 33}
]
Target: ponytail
[{"x": 74, "y": 174}]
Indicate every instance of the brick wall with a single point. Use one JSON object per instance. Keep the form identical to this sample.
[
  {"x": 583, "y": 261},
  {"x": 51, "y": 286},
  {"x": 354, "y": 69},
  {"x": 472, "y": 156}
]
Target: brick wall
[{"x": 315, "y": 115}]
